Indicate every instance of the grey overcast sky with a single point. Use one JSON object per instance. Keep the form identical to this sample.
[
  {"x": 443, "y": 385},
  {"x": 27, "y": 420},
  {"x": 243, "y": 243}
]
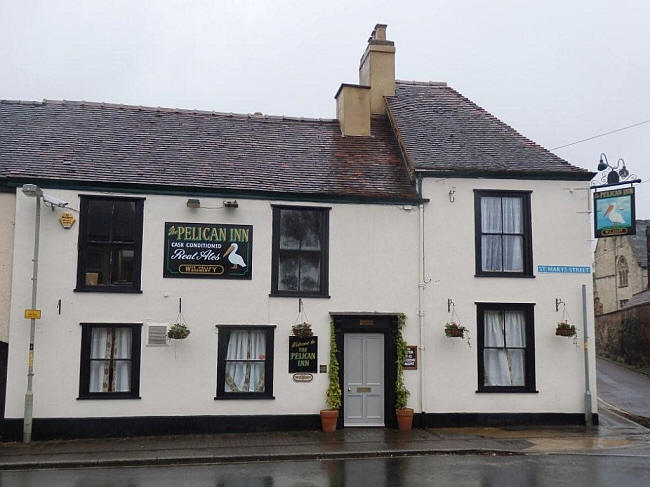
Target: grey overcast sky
[{"x": 557, "y": 71}]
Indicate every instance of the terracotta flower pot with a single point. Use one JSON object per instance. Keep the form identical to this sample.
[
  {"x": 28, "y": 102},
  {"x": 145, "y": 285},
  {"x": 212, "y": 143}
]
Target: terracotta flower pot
[
  {"x": 404, "y": 418},
  {"x": 328, "y": 418}
]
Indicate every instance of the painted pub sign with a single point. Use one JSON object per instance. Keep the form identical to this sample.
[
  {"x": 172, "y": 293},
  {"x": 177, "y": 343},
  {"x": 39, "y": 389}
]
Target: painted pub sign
[
  {"x": 303, "y": 354},
  {"x": 208, "y": 250},
  {"x": 614, "y": 213}
]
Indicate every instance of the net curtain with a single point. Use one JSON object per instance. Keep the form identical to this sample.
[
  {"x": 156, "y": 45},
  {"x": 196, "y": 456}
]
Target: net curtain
[
  {"x": 503, "y": 366},
  {"x": 110, "y": 347},
  {"x": 502, "y": 215},
  {"x": 245, "y": 360}
]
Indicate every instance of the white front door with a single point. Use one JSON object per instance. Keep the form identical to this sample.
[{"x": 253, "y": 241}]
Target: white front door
[{"x": 363, "y": 379}]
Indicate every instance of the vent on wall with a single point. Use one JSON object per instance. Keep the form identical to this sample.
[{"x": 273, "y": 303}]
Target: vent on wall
[{"x": 157, "y": 335}]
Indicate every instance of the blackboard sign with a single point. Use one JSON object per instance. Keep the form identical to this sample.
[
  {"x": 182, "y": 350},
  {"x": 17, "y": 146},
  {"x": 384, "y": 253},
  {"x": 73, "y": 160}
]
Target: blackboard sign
[
  {"x": 411, "y": 359},
  {"x": 303, "y": 354},
  {"x": 208, "y": 250}
]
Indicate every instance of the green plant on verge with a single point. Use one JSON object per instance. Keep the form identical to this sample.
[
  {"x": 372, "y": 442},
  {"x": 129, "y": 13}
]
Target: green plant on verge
[
  {"x": 401, "y": 392},
  {"x": 334, "y": 389}
]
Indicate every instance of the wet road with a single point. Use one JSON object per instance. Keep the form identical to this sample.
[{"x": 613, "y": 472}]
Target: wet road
[
  {"x": 538, "y": 470},
  {"x": 624, "y": 388}
]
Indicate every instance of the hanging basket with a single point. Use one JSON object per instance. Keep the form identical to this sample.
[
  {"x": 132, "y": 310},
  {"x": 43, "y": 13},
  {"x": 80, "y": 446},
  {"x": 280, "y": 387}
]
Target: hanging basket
[
  {"x": 178, "y": 331},
  {"x": 302, "y": 330},
  {"x": 454, "y": 330},
  {"x": 564, "y": 329}
]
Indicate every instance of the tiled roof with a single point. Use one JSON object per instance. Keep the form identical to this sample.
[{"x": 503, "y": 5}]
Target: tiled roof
[
  {"x": 442, "y": 131},
  {"x": 638, "y": 243},
  {"x": 117, "y": 144}
]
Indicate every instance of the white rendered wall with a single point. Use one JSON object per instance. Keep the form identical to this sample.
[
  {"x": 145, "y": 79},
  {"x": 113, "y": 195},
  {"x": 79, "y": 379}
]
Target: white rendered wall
[
  {"x": 373, "y": 267},
  {"x": 561, "y": 235},
  {"x": 7, "y": 213}
]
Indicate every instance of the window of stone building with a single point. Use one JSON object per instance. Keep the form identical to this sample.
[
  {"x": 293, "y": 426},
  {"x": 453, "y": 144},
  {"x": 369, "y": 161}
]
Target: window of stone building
[{"x": 622, "y": 270}]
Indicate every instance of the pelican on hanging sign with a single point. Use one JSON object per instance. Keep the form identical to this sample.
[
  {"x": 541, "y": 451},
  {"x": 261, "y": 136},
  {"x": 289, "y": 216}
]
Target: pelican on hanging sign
[
  {"x": 234, "y": 258},
  {"x": 613, "y": 215}
]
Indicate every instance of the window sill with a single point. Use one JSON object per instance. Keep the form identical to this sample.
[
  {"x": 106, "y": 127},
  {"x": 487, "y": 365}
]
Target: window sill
[
  {"x": 506, "y": 391},
  {"x": 242, "y": 397},
  {"x": 108, "y": 289},
  {"x": 108, "y": 396},
  {"x": 298, "y": 295},
  {"x": 510, "y": 276}
]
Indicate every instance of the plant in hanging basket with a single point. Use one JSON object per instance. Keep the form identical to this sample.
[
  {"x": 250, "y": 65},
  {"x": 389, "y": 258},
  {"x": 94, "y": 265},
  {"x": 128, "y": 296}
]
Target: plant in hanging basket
[
  {"x": 302, "y": 330},
  {"x": 453, "y": 329},
  {"x": 178, "y": 331},
  {"x": 564, "y": 329}
]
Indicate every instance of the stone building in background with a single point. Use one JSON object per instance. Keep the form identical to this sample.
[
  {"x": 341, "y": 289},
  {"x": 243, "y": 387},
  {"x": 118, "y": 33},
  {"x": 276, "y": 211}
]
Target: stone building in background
[{"x": 621, "y": 269}]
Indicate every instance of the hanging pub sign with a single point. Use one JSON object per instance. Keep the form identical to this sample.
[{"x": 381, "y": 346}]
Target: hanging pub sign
[
  {"x": 303, "y": 354},
  {"x": 614, "y": 213},
  {"x": 208, "y": 250}
]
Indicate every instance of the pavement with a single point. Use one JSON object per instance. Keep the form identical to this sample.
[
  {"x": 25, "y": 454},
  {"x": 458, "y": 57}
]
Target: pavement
[{"x": 616, "y": 435}]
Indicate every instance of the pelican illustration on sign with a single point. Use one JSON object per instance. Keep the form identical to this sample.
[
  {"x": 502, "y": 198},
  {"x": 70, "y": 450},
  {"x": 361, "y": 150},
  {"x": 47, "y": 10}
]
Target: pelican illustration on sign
[{"x": 233, "y": 257}]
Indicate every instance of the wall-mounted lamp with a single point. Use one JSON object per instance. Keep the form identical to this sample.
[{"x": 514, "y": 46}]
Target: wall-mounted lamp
[
  {"x": 193, "y": 203},
  {"x": 614, "y": 174}
]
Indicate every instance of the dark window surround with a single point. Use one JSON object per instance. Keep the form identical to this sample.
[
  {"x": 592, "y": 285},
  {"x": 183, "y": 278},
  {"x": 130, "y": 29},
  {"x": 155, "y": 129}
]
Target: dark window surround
[
  {"x": 529, "y": 364},
  {"x": 84, "y": 369},
  {"x": 275, "y": 250},
  {"x": 82, "y": 253},
  {"x": 222, "y": 349},
  {"x": 528, "y": 244}
]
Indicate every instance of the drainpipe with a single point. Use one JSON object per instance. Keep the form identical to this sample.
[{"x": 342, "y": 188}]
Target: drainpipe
[
  {"x": 421, "y": 284},
  {"x": 588, "y": 413}
]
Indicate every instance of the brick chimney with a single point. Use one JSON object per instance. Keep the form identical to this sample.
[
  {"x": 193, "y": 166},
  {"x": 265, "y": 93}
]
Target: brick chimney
[
  {"x": 377, "y": 69},
  {"x": 356, "y": 103}
]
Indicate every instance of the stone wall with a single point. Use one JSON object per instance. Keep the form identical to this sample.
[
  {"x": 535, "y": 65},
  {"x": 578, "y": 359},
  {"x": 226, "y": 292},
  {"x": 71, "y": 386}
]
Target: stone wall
[{"x": 625, "y": 335}]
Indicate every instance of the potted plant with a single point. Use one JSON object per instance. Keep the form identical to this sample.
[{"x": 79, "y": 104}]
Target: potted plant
[
  {"x": 404, "y": 414},
  {"x": 564, "y": 329},
  {"x": 178, "y": 331},
  {"x": 330, "y": 416},
  {"x": 302, "y": 330},
  {"x": 455, "y": 330}
]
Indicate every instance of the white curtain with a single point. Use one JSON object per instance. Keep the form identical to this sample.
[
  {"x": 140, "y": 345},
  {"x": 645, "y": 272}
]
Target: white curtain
[
  {"x": 245, "y": 360},
  {"x": 504, "y": 366},
  {"x": 107, "y": 344},
  {"x": 502, "y": 252}
]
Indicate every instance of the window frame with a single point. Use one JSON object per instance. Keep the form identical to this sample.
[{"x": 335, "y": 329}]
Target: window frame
[
  {"x": 529, "y": 354},
  {"x": 82, "y": 246},
  {"x": 623, "y": 270},
  {"x": 223, "y": 333},
  {"x": 84, "y": 367},
  {"x": 527, "y": 233},
  {"x": 323, "y": 292}
]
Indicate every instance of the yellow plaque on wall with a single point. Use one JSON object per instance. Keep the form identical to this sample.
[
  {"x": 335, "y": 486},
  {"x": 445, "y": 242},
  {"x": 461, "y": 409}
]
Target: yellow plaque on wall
[{"x": 67, "y": 220}]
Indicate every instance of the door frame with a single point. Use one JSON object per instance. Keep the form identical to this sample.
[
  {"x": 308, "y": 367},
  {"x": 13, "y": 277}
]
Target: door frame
[{"x": 386, "y": 324}]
